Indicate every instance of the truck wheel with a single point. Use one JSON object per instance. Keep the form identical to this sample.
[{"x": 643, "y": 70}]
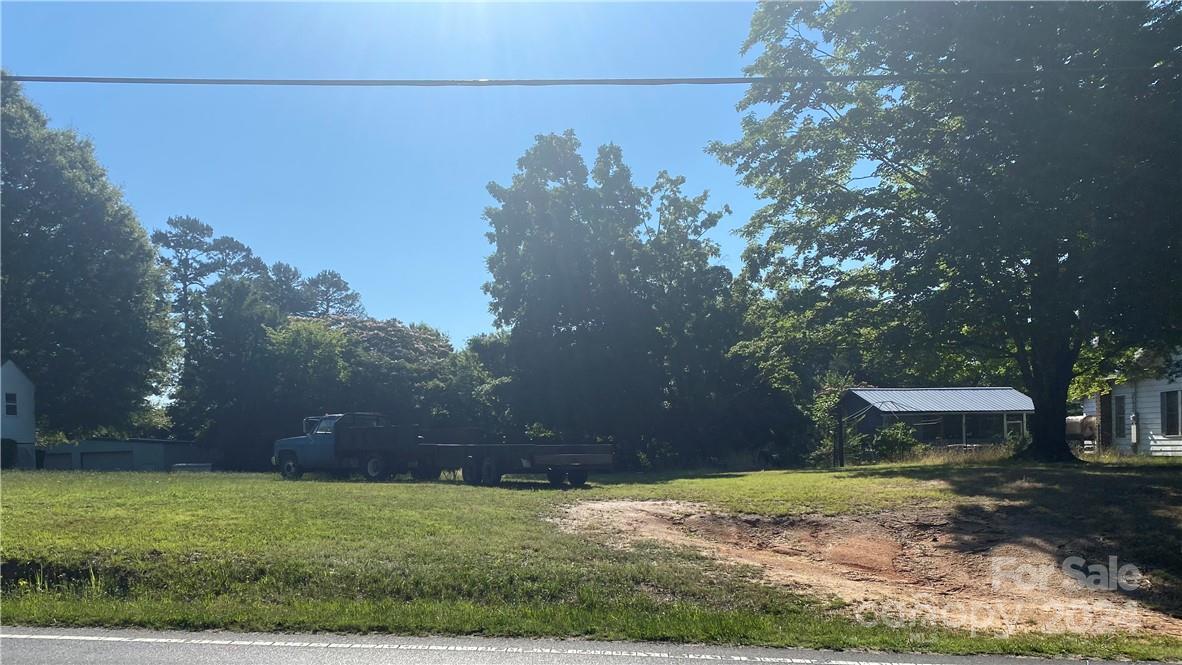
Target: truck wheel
[
  {"x": 375, "y": 468},
  {"x": 471, "y": 471},
  {"x": 555, "y": 478},
  {"x": 424, "y": 472},
  {"x": 490, "y": 476},
  {"x": 577, "y": 478},
  {"x": 289, "y": 467}
]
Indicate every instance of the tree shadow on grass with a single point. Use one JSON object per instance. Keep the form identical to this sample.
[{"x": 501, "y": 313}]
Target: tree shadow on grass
[
  {"x": 661, "y": 477},
  {"x": 531, "y": 484},
  {"x": 1131, "y": 512}
]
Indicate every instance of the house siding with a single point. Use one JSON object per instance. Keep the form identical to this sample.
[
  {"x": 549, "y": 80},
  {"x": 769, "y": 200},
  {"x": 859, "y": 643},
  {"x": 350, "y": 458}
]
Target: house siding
[
  {"x": 22, "y": 427},
  {"x": 1143, "y": 399}
]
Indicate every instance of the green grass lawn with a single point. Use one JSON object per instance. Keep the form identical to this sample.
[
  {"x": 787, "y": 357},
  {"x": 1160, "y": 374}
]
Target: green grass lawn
[{"x": 249, "y": 551}]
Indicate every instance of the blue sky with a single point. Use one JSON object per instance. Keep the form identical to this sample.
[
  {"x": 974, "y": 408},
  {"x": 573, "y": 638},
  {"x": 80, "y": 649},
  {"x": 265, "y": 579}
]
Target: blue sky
[{"x": 387, "y": 186}]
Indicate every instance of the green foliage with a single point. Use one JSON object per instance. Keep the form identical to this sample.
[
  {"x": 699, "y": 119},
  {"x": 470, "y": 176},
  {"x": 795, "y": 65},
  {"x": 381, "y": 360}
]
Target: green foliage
[
  {"x": 286, "y": 289},
  {"x": 328, "y": 294},
  {"x": 465, "y": 393},
  {"x": 253, "y": 368},
  {"x": 980, "y": 206},
  {"x": 192, "y": 256},
  {"x": 84, "y": 311},
  {"x": 815, "y": 342},
  {"x": 257, "y": 374},
  {"x": 821, "y": 409},
  {"x": 564, "y": 283},
  {"x": 895, "y": 443},
  {"x": 617, "y": 322}
]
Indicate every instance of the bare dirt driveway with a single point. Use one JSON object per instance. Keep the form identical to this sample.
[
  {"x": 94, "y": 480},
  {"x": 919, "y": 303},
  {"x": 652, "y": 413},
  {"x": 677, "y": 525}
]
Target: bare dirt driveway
[{"x": 989, "y": 573}]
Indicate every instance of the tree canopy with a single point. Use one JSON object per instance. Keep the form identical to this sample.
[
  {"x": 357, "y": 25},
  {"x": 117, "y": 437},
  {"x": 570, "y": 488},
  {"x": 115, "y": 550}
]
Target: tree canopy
[
  {"x": 328, "y": 294},
  {"x": 1012, "y": 213},
  {"x": 84, "y": 307},
  {"x": 618, "y": 320}
]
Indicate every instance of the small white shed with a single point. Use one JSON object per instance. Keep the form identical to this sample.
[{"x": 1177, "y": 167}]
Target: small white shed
[{"x": 19, "y": 421}]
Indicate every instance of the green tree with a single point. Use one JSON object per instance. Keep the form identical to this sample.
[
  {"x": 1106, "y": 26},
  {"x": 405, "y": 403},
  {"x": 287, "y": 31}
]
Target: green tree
[
  {"x": 565, "y": 285},
  {"x": 310, "y": 371},
  {"x": 225, "y": 398},
  {"x": 466, "y": 394},
  {"x": 1025, "y": 214},
  {"x": 391, "y": 366},
  {"x": 191, "y": 260},
  {"x": 283, "y": 286},
  {"x": 330, "y": 295},
  {"x": 193, "y": 256},
  {"x": 84, "y": 306},
  {"x": 616, "y": 321},
  {"x": 708, "y": 395}
]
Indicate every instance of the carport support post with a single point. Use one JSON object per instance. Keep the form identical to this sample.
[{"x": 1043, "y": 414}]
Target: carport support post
[
  {"x": 839, "y": 439},
  {"x": 964, "y": 430}
]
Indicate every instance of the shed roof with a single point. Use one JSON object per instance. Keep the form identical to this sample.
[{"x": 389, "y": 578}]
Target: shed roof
[{"x": 945, "y": 400}]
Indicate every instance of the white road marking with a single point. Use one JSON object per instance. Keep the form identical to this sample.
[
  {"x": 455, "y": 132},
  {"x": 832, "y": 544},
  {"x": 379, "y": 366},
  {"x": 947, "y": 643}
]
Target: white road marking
[{"x": 456, "y": 647}]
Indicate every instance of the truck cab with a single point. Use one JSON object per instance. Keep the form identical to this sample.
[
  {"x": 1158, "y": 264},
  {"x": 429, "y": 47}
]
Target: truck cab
[{"x": 313, "y": 449}]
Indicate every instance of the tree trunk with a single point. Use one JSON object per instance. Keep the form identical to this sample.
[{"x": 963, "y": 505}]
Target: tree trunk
[
  {"x": 1048, "y": 423},
  {"x": 1047, "y": 350},
  {"x": 1047, "y": 429}
]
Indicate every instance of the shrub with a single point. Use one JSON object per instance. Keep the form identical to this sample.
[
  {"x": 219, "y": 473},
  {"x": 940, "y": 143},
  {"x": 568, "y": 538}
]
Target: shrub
[{"x": 893, "y": 443}]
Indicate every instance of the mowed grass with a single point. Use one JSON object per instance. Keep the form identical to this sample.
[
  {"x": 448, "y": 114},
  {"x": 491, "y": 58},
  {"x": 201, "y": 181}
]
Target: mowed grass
[
  {"x": 252, "y": 552},
  {"x": 776, "y": 493}
]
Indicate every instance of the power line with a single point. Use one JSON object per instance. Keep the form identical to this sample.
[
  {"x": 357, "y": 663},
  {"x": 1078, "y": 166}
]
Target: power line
[{"x": 492, "y": 83}]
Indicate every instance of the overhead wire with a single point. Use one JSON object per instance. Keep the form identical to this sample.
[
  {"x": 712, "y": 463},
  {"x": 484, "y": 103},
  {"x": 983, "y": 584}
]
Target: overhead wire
[{"x": 558, "y": 82}]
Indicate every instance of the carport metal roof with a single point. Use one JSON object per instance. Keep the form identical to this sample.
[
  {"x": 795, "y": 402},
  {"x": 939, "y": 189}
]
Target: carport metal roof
[{"x": 945, "y": 400}]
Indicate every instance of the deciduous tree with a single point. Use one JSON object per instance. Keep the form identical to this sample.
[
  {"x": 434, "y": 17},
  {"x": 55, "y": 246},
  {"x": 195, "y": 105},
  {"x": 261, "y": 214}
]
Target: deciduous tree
[
  {"x": 1023, "y": 198},
  {"x": 84, "y": 306}
]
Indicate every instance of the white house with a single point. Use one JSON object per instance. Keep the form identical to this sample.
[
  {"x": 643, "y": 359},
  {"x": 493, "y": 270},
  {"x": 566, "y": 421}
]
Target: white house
[
  {"x": 19, "y": 421},
  {"x": 1140, "y": 416}
]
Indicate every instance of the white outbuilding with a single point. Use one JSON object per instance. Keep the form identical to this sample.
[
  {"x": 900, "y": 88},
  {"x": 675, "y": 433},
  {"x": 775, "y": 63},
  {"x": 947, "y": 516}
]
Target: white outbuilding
[{"x": 20, "y": 417}]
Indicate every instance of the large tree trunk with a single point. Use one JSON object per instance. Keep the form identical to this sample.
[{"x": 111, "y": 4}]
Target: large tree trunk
[
  {"x": 1052, "y": 366},
  {"x": 1048, "y": 424},
  {"x": 1048, "y": 346}
]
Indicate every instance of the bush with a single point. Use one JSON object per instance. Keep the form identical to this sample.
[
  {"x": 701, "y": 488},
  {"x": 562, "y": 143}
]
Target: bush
[
  {"x": 893, "y": 443},
  {"x": 656, "y": 455}
]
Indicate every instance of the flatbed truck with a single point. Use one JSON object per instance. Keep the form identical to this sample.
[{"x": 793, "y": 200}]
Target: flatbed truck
[{"x": 366, "y": 443}]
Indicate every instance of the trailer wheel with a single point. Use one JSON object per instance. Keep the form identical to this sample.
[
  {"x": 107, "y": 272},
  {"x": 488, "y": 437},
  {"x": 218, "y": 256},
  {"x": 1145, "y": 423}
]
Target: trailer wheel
[
  {"x": 577, "y": 478},
  {"x": 375, "y": 468},
  {"x": 490, "y": 475},
  {"x": 425, "y": 472},
  {"x": 556, "y": 478},
  {"x": 471, "y": 471},
  {"x": 289, "y": 467}
]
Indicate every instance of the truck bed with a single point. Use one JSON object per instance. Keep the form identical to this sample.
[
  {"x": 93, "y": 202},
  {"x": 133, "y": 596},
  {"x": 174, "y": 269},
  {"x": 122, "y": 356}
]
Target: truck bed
[{"x": 514, "y": 457}]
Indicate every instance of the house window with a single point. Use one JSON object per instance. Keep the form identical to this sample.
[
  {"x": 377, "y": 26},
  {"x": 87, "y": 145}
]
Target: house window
[
  {"x": 1171, "y": 413},
  {"x": 10, "y": 404},
  {"x": 1119, "y": 428}
]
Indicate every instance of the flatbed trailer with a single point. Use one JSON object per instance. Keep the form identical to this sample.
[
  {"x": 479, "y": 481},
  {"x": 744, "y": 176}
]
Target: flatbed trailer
[{"x": 366, "y": 443}]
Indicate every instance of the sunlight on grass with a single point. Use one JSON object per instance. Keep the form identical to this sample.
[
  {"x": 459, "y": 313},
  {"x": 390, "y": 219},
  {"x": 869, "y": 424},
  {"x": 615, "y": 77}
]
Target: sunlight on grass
[
  {"x": 782, "y": 492},
  {"x": 249, "y": 551}
]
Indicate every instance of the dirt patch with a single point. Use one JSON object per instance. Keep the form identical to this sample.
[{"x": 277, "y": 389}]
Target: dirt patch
[{"x": 968, "y": 571}]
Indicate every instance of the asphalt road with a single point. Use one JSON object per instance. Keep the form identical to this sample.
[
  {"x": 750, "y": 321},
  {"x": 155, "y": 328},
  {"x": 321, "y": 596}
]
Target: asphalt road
[{"x": 31, "y": 646}]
